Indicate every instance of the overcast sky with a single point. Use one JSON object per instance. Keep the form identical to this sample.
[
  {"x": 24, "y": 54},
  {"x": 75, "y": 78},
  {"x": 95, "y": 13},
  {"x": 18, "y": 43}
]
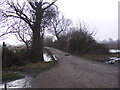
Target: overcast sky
[{"x": 100, "y": 15}]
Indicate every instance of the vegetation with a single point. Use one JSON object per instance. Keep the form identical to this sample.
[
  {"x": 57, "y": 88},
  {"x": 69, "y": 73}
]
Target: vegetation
[
  {"x": 112, "y": 44},
  {"x": 23, "y": 64},
  {"x": 78, "y": 40},
  {"x": 101, "y": 58},
  {"x": 7, "y": 76},
  {"x": 32, "y": 67},
  {"x": 29, "y": 20},
  {"x": 22, "y": 55}
]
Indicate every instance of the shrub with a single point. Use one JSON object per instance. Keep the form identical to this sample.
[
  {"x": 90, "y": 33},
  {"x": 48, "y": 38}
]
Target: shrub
[
  {"x": 17, "y": 57},
  {"x": 80, "y": 42}
]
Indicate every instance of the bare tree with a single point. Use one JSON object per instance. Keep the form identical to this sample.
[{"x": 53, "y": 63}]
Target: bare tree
[
  {"x": 24, "y": 34},
  {"x": 58, "y": 25},
  {"x": 34, "y": 14}
]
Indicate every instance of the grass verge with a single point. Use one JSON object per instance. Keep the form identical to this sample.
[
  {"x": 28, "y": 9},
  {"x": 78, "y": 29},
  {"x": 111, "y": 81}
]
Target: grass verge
[
  {"x": 8, "y": 76},
  {"x": 99, "y": 57},
  {"x": 30, "y": 68}
]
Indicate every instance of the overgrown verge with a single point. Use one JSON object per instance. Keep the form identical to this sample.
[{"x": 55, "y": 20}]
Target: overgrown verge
[
  {"x": 32, "y": 67},
  {"x": 101, "y": 58},
  {"x": 14, "y": 72},
  {"x": 8, "y": 76}
]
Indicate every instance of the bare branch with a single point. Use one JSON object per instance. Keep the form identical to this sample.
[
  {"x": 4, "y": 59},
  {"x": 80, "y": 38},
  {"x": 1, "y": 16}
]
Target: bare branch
[
  {"x": 32, "y": 5},
  {"x": 50, "y": 5}
]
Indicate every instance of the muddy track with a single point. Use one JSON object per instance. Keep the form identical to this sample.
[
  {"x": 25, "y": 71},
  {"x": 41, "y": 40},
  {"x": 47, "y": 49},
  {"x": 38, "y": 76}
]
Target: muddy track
[{"x": 75, "y": 72}]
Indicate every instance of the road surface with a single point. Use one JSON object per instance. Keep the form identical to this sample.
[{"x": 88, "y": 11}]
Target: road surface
[{"x": 75, "y": 72}]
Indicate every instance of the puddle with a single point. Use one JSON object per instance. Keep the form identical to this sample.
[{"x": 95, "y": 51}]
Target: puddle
[
  {"x": 20, "y": 83},
  {"x": 48, "y": 58},
  {"x": 25, "y": 82},
  {"x": 114, "y": 51},
  {"x": 113, "y": 60}
]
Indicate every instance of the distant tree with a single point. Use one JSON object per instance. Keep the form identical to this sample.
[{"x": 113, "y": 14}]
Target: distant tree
[
  {"x": 63, "y": 43},
  {"x": 24, "y": 34},
  {"x": 111, "y": 40},
  {"x": 80, "y": 40},
  {"x": 48, "y": 41},
  {"x": 59, "y": 25}
]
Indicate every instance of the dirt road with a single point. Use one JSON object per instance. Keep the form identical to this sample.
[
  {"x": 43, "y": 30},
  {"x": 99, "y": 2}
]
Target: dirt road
[{"x": 75, "y": 72}]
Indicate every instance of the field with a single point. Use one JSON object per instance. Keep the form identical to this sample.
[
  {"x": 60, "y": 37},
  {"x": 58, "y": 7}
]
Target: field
[{"x": 113, "y": 46}]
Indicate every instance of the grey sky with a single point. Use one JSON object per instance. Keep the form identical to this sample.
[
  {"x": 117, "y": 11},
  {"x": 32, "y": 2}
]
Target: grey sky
[{"x": 100, "y": 15}]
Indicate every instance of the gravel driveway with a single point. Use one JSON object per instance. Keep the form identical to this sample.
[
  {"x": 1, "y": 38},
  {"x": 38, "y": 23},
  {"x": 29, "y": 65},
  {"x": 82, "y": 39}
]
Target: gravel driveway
[{"x": 75, "y": 72}]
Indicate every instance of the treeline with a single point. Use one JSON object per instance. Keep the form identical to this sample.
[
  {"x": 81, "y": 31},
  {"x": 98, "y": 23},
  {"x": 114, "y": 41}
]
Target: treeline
[
  {"x": 78, "y": 40},
  {"x": 112, "y": 44}
]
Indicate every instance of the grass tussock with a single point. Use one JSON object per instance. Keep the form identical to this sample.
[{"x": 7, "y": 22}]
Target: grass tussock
[
  {"x": 10, "y": 76},
  {"x": 94, "y": 57},
  {"x": 32, "y": 67},
  {"x": 99, "y": 57},
  {"x": 27, "y": 68}
]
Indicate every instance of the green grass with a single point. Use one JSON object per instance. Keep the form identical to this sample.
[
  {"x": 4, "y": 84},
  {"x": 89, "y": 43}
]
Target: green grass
[
  {"x": 32, "y": 67},
  {"x": 99, "y": 57},
  {"x": 29, "y": 68},
  {"x": 7, "y": 76},
  {"x": 94, "y": 57}
]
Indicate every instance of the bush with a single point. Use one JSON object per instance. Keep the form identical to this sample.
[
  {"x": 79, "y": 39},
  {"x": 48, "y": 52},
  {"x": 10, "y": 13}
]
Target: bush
[
  {"x": 17, "y": 57},
  {"x": 80, "y": 42}
]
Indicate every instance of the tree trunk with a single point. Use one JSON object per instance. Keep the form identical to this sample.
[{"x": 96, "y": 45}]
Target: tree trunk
[
  {"x": 37, "y": 47},
  {"x": 37, "y": 42}
]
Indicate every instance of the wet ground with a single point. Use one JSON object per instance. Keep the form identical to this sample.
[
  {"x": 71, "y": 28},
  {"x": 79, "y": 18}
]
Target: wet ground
[
  {"x": 114, "y": 51},
  {"x": 71, "y": 72},
  {"x": 113, "y": 58},
  {"x": 25, "y": 82},
  {"x": 20, "y": 83}
]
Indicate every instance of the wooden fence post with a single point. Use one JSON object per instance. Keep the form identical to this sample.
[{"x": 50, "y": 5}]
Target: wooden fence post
[{"x": 3, "y": 55}]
